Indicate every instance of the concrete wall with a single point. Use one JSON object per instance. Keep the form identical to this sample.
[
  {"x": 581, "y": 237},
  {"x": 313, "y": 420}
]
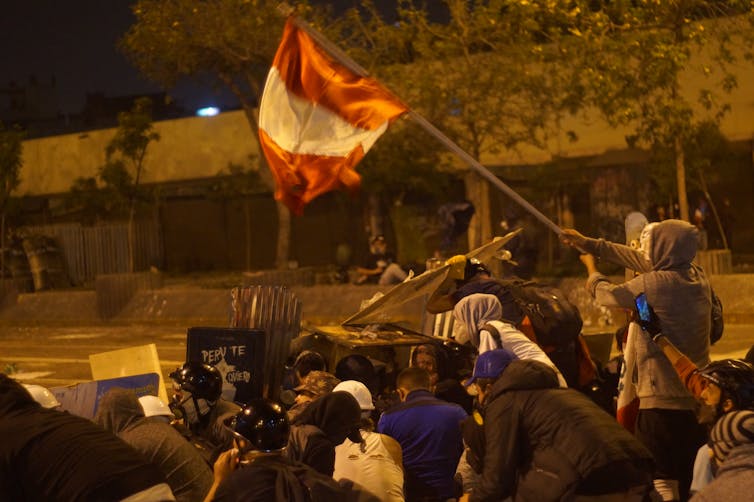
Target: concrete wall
[
  {"x": 188, "y": 305},
  {"x": 201, "y": 147},
  {"x": 195, "y": 147}
]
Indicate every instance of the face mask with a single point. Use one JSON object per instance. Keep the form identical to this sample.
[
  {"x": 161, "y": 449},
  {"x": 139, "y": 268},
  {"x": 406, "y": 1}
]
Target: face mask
[
  {"x": 192, "y": 410},
  {"x": 645, "y": 241}
]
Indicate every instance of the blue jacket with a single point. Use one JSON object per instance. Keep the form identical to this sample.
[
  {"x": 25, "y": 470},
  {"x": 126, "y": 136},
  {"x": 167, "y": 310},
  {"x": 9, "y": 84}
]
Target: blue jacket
[{"x": 428, "y": 430}]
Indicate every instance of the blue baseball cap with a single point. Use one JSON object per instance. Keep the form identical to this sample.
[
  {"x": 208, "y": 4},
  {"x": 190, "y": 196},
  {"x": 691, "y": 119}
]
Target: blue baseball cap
[{"x": 491, "y": 364}]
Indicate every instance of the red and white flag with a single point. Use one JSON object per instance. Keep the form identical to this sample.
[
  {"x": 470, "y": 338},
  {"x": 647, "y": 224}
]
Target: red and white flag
[{"x": 317, "y": 120}]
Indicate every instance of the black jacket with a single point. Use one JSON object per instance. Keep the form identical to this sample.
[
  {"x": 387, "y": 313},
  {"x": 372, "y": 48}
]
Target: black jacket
[
  {"x": 547, "y": 443},
  {"x": 52, "y": 455}
]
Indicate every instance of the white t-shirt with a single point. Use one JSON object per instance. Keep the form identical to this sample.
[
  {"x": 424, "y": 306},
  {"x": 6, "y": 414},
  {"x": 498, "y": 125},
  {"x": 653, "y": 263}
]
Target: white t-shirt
[
  {"x": 372, "y": 468},
  {"x": 518, "y": 343}
]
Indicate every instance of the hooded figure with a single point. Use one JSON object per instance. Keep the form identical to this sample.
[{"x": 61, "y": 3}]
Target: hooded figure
[
  {"x": 481, "y": 315},
  {"x": 678, "y": 292},
  {"x": 323, "y": 425},
  {"x": 188, "y": 475},
  {"x": 47, "y": 454},
  {"x": 680, "y": 295}
]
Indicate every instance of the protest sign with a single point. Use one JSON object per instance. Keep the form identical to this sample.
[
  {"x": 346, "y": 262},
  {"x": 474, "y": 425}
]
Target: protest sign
[
  {"x": 127, "y": 362},
  {"x": 83, "y": 399},
  {"x": 237, "y": 352}
]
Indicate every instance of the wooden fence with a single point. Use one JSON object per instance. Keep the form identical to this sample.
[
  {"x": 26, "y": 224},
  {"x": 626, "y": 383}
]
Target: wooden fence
[{"x": 103, "y": 249}]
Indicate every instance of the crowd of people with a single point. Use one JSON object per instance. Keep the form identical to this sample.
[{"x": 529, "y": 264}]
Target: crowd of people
[{"x": 512, "y": 423}]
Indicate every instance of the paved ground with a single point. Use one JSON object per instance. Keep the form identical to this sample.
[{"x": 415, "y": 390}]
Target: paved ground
[{"x": 54, "y": 356}]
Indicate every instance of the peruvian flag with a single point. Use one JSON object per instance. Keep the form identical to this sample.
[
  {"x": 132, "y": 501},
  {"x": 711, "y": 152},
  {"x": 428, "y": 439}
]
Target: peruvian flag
[
  {"x": 317, "y": 120},
  {"x": 628, "y": 397}
]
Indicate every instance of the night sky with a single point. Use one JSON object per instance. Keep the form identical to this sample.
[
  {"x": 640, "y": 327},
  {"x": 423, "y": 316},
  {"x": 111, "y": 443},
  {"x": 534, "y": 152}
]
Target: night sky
[{"x": 74, "y": 41}]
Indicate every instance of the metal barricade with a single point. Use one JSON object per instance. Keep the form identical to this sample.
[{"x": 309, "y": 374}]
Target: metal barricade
[{"x": 277, "y": 311}]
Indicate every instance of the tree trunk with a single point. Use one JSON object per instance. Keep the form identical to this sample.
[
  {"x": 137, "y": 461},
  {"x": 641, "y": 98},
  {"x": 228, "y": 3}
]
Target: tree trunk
[
  {"x": 375, "y": 217},
  {"x": 247, "y": 230},
  {"x": 131, "y": 218},
  {"x": 282, "y": 250},
  {"x": 680, "y": 173},
  {"x": 284, "y": 236},
  {"x": 478, "y": 193},
  {"x": 2, "y": 246}
]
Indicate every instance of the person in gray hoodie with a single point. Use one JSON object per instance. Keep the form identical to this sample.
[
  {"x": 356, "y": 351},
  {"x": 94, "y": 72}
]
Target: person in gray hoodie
[
  {"x": 680, "y": 295},
  {"x": 188, "y": 475}
]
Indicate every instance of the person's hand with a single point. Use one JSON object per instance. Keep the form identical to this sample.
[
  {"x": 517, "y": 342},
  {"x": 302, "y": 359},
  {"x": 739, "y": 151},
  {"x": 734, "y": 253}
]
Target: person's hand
[
  {"x": 573, "y": 238},
  {"x": 457, "y": 266},
  {"x": 225, "y": 464},
  {"x": 464, "y": 498}
]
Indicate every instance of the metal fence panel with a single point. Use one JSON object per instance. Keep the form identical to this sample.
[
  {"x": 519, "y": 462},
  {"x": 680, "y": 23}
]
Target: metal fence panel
[
  {"x": 103, "y": 249},
  {"x": 277, "y": 311}
]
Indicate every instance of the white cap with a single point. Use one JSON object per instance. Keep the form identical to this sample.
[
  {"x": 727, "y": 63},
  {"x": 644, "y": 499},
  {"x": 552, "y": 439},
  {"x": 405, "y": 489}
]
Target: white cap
[
  {"x": 42, "y": 395},
  {"x": 154, "y": 406},
  {"x": 357, "y": 390}
]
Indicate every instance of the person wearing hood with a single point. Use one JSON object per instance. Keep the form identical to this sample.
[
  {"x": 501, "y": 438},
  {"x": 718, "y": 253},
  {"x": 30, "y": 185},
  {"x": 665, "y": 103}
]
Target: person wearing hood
[
  {"x": 481, "y": 315},
  {"x": 680, "y": 295},
  {"x": 376, "y": 463},
  {"x": 257, "y": 468},
  {"x": 188, "y": 475},
  {"x": 323, "y": 425},
  {"x": 546, "y": 443},
  {"x": 47, "y": 454}
]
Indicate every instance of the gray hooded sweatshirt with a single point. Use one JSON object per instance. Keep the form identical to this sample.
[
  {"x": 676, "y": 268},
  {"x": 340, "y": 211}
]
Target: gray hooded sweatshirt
[
  {"x": 188, "y": 475},
  {"x": 680, "y": 295}
]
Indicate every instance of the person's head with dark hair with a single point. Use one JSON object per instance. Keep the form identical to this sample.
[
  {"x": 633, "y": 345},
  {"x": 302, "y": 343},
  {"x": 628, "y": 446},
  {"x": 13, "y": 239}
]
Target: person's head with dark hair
[
  {"x": 357, "y": 367},
  {"x": 411, "y": 379},
  {"x": 308, "y": 361},
  {"x": 119, "y": 410},
  {"x": 14, "y": 396},
  {"x": 730, "y": 385},
  {"x": 433, "y": 359}
]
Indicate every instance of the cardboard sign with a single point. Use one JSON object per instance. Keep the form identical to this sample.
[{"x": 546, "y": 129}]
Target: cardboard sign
[
  {"x": 239, "y": 355},
  {"x": 83, "y": 399},
  {"x": 127, "y": 362}
]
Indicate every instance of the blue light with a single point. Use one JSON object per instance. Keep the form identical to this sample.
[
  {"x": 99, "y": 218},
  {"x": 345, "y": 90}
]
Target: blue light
[{"x": 209, "y": 111}]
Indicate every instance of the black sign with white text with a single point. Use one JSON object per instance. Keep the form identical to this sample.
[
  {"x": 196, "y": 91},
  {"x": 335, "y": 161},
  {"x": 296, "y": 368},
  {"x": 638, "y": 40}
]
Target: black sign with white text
[{"x": 237, "y": 352}]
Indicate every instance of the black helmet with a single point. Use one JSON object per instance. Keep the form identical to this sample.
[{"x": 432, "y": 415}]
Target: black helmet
[
  {"x": 201, "y": 380},
  {"x": 474, "y": 267},
  {"x": 735, "y": 378},
  {"x": 261, "y": 423}
]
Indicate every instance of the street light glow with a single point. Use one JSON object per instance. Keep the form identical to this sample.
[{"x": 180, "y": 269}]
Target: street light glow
[{"x": 209, "y": 111}]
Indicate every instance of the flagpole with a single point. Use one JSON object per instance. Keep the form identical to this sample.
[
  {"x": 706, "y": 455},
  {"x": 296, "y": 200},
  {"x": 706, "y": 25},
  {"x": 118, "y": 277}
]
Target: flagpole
[
  {"x": 344, "y": 59},
  {"x": 483, "y": 171}
]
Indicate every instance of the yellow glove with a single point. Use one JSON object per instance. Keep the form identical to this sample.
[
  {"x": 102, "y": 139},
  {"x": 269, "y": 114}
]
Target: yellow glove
[{"x": 457, "y": 266}]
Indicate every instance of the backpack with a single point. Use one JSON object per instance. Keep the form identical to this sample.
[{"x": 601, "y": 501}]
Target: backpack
[
  {"x": 717, "y": 325},
  {"x": 555, "y": 320}
]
